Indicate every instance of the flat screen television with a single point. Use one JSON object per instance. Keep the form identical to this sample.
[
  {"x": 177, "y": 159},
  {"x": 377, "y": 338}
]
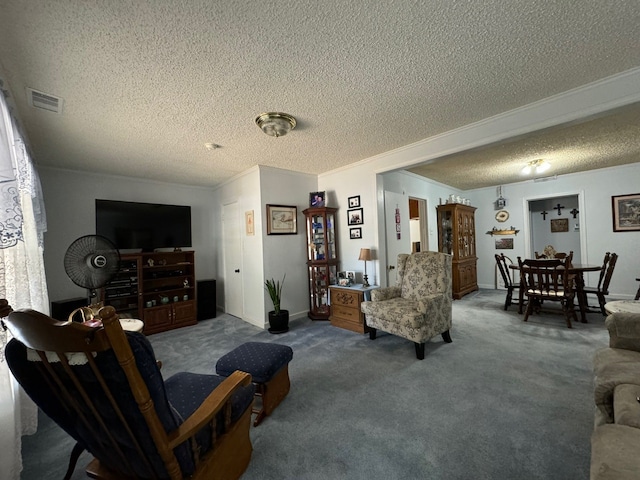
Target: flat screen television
[{"x": 145, "y": 226}]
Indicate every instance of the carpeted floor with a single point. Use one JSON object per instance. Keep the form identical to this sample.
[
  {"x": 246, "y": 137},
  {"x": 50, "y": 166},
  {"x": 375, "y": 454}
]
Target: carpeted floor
[{"x": 505, "y": 400}]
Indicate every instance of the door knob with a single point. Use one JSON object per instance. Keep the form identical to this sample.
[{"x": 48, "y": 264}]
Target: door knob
[
  {"x": 237, "y": 270},
  {"x": 392, "y": 267}
]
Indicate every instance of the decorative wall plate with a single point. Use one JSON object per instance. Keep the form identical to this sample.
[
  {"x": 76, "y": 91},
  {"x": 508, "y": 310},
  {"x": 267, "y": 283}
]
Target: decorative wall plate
[{"x": 502, "y": 216}]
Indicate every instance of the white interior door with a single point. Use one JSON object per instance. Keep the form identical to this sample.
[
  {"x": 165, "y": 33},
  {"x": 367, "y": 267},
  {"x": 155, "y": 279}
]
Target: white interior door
[
  {"x": 396, "y": 215},
  {"x": 232, "y": 245}
]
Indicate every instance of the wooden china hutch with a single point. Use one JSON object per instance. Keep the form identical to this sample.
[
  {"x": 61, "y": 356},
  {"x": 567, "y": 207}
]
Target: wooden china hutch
[
  {"x": 457, "y": 236},
  {"x": 322, "y": 259}
]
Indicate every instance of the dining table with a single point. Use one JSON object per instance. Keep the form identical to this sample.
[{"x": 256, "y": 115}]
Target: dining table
[{"x": 578, "y": 270}]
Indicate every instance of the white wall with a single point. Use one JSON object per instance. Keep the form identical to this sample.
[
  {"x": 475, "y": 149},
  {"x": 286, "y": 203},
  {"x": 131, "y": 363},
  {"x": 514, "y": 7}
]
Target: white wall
[
  {"x": 287, "y": 254},
  {"x": 596, "y": 188},
  {"x": 244, "y": 190},
  {"x": 361, "y": 180},
  {"x": 267, "y": 256},
  {"x": 345, "y": 183},
  {"x": 370, "y": 177},
  {"x": 69, "y": 198}
]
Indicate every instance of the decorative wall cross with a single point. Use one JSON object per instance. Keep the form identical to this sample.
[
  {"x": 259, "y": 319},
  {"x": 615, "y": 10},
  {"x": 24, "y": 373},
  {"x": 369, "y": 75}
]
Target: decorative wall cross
[
  {"x": 544, "y": 214},
  {"x": 574, "y": 212},
  {"x": 559, "y": 208}
]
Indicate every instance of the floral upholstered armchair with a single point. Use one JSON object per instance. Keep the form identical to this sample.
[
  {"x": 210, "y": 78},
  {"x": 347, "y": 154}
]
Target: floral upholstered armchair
[{"x": 418, "y": 307}]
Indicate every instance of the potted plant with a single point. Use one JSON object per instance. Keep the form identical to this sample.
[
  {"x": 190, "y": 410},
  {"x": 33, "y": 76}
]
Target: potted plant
[{"x": 278, "y": 318}]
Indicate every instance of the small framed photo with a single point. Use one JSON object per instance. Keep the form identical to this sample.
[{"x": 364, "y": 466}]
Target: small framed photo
[
  {"x": 354, "y": 202},
  {"x": 282, "y": 220},
  {"x": 559, "y": 225},
  {"x": 355, "y": 233},
  {"x": 355, "y": 216},
  {"x": 248, "y": 222},
  {"x": 317, "y": 199},
  {"x": 343, "y": 280},
  {"x": 504, "y": 243},
  {"x": 626, "y": 212},
  {"x": 351, "y": 276}
]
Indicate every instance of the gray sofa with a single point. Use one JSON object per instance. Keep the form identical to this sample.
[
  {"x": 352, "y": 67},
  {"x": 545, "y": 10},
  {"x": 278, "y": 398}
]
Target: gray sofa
[{"x": 615, "y": 442}]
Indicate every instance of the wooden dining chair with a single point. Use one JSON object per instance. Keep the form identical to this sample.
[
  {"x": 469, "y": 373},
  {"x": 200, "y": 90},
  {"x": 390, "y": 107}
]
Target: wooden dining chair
[
  {"x": 602, "y": 289},
  {"x": 503, "y": 267},
  {"x": 560, "y": 255},
  {"x": 547, "y": 280}
]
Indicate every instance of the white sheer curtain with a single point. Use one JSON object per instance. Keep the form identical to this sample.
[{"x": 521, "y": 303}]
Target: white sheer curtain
[{"x": 22, "y": 277}]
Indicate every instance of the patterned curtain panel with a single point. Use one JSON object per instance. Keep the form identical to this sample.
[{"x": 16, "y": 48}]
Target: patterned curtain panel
[
  {"x": 11, "y": 213},
  {"x": 22, "y": 277}
]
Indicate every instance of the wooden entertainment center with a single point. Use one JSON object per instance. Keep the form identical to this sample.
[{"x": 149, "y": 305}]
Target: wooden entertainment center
[{"x": 158, "y": 288}]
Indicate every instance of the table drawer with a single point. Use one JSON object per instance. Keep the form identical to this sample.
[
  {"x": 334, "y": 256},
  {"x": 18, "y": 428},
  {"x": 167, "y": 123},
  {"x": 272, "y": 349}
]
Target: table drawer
[
  {"x": 347, "y": 313},
  {"x": 345, "y": 298}
]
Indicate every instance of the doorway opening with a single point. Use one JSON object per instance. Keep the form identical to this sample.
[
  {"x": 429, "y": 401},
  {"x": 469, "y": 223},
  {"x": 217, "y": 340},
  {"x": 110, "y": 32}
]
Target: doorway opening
[
  {"x": 405, "y": 229},
  {"x": 554, "y": 221},
  {"x": 418, "y": 224}
]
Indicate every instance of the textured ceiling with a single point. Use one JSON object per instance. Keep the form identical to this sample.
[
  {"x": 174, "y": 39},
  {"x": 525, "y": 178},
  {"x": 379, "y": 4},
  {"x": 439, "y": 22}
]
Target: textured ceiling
[
  {"x": 605, "y": 141},
  {"x": 146, "y": 84}
]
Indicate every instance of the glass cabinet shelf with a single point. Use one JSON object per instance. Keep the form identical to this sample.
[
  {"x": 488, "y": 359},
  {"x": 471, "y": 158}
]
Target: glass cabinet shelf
[{"x": 322, "y": 259}]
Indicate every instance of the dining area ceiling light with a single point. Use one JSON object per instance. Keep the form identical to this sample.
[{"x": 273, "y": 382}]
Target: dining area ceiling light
[
  {"x": 536, "y": 166},
  {"x": 276, "y": 124}
]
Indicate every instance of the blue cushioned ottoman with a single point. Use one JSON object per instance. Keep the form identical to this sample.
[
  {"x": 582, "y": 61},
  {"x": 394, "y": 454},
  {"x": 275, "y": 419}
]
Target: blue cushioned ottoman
[{"x": 268, "y": 364}]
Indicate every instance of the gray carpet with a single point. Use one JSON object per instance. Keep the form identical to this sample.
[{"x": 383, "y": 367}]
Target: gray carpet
[{"x": 505, "y": 400}]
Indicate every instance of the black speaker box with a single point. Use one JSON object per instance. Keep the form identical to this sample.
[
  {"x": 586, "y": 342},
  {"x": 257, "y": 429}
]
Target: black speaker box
[
  {"x": 206, "y": 291},
  {"x": 60, "y": 309}
]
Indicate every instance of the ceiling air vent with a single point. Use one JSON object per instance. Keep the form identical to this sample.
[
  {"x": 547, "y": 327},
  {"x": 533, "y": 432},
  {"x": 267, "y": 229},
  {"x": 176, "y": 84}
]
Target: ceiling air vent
[{"x": 44, "y": 101}]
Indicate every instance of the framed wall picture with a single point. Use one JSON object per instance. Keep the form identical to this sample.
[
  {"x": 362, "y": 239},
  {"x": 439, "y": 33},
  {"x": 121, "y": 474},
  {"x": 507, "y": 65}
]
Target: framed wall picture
[
  {"x": 560, "y": 225},
  {"x": 317, "y": 199},
  {"x": 626, "y": 212},
  {"x": 282, "y": 220},
  {"x": 248, "y": 223},
  {"x": 504, "y": 243},
  {"x": 355, "y": 216},
  {"x": 355, "y": 233},
  {"x": 354, "y": 202}
]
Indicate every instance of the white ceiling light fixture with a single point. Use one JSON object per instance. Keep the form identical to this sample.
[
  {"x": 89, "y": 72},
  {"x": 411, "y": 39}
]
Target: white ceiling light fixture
[
  {"x": 276, "y": 124},
  {"x": 537, "y": 166}
]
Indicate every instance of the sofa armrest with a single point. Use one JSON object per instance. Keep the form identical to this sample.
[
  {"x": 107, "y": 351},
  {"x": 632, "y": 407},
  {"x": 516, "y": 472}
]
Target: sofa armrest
[
  {"x": 624, "y": 330},
  {"x": 385, "y": 293}
]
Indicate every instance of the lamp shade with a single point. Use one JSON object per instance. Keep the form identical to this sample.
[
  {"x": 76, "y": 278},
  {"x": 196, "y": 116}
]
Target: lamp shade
[{"x": 365, "y": 254}]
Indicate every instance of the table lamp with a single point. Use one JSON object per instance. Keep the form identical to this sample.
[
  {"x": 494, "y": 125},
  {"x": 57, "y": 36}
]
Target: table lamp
[{"x": 365, "y": 254}]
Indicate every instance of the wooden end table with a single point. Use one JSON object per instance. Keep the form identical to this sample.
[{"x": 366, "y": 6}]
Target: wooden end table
[{"x": 345, "y": 306}]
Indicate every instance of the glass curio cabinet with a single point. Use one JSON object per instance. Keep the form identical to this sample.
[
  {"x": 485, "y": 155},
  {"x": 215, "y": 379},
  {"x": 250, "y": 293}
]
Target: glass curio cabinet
[
  {"x": 322, "y": 259},
  {"x": 457, "y": 237}
]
